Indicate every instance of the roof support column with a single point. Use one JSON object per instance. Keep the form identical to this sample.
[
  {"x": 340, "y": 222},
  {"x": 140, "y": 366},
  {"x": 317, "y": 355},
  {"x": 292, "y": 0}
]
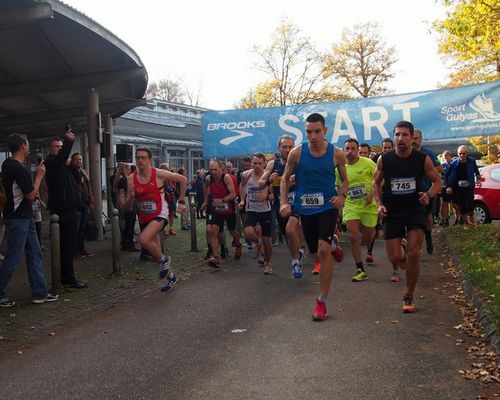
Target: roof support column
[
  {"x": 94, "y": 134},
  {"x": 110, "y": 163}
]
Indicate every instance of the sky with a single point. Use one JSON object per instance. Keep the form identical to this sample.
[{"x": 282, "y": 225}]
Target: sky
[{"x": 208, "y": 43}]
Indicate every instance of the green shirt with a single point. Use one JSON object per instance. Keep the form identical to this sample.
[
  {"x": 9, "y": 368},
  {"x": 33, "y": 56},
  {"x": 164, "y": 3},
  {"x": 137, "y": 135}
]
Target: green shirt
[{"x": 360, "y": 176}]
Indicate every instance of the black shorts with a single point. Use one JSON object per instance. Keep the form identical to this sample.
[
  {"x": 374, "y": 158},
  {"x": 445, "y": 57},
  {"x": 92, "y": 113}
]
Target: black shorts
[
  {"x": 445, "y": 196},
  {"x": 282, "y": 222},
  {"x": 319, "y": 226},
  {"x": 159, "y": 219},
  {"x": 218, "y": 219},
  {"x": 253, "y": 218},
  {"x": 399, "y": 226},
  {"x": 464, "y": 197}
]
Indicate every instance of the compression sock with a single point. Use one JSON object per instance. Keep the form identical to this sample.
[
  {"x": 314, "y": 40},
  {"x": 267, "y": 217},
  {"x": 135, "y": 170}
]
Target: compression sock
[{"x": 360, "y": 266}]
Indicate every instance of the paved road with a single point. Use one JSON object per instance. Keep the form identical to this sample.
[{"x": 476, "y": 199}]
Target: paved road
[{"x": 181, "y": 345}]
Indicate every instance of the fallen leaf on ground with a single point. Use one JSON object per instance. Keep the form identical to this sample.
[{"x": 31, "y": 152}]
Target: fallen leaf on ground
[{"x": 238, "y": 330}]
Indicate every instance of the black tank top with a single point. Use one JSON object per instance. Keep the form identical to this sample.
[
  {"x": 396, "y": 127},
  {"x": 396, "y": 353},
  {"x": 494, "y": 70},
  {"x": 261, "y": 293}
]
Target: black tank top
[{"x": 402, "y": 182}]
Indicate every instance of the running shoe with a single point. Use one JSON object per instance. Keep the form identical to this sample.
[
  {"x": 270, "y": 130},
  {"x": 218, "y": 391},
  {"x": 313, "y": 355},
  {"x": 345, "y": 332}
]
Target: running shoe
[
  {"x": 170, "y": 284},
  {"x": 316, "y": 268},
  {"x": 395, "y": 277},
  {"x": 404, "y": 245},
  {"x": 172, "y": 232},
  {"x": 369, "y": 258},
  {"x": 164, "y": 267},
  {"x": 319, "y": 312},
  {"x": 297, "y": 272},
  {"x": 237, "y": 252},
  {"x": 214, "y": 262},
  {"x": 360, "y": 276},
  {"x": 302, "y": 253},
  {"x": 337, "y": 252},
  {"x": 5, "y": 303},
  {"x": 408, "y": 304},
  {"x": 268, "y": 269},
  {"x": 261, "y": 260}
]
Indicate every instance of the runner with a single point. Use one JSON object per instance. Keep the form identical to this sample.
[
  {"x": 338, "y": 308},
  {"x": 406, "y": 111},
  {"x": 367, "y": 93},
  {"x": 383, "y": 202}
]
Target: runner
[
  {"x": 146, "y": 187},
  {"x": 360, "y": 210},
  {"x": 426, "y": 184},
  {"x": 402, "y": 203},
  {"x": 445, "y": 197},
  {"x": 316, "y": 199},
  {"x": 364, "y": 150},
  {"x": 289, "y": 225},
  {"x": 257, "y": 209},
  {"x": 219, "y": 203}
]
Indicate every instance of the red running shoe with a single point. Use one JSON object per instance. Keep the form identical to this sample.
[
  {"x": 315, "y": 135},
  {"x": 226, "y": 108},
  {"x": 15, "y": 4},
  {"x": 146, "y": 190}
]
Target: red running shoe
[
  {"x": 319, "y": 312},
  {"x": 337, "y": 252},
  {"x": 316, "y": 268}
]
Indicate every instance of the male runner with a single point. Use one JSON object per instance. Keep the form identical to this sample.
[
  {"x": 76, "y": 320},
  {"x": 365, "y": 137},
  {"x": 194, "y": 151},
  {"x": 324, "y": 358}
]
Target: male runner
[
  {"x": 289, "y": 225},
  {"x": 316, "y": 199},
  {"x": 364, "y": 150},
  {"x": 402, "y": 202},
  {"x": 219, "y": 202},
  {"x": 426, "y": 184},
  {"x": 146, "y": 186},
  {"x": 257, "y": 208},
  {"x": 360, "y": 210}
]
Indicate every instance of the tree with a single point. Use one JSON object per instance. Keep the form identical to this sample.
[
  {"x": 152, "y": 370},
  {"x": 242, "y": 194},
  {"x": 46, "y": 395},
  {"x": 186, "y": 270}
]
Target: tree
[
  {"x": 294, "y": 69},
  {"x": 469, "y": 40},
  {"x": 488, "y": 145},
  {"x": 362, "y": 60},
  {"x": 166, "y": 89}
]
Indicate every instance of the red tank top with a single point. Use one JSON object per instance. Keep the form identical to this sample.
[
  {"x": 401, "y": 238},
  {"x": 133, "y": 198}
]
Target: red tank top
[
  {"x": 150, "y": 201},
  {"x": 218, "y": 190}
]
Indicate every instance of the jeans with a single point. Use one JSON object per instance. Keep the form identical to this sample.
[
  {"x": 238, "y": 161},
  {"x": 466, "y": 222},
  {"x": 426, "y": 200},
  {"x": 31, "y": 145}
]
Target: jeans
[
  {"x": 67, "y": 227},
  {"x": 128, "y": 229},
  {"x": 21, "y": 235},
  {"x": 82, "y": 220}
]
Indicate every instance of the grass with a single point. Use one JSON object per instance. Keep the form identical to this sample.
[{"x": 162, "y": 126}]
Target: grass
[{"x": 479, "y": 251}]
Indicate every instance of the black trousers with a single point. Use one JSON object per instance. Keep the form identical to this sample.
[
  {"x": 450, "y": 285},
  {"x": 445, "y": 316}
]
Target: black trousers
[
  {"x": 128, "y": 229},
  {"x": 68, "y": 229}
]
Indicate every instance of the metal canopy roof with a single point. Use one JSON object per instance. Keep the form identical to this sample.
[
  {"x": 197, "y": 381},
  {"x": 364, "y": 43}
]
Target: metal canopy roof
[{"x": 50, "y": 57}]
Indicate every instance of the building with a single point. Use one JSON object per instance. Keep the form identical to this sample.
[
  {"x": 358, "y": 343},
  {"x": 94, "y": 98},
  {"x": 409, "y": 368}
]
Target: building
[{"x": 172, "y": 131}]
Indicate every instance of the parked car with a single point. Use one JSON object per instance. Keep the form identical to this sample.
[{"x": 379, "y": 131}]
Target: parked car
[{"x": 487, "y": 194}]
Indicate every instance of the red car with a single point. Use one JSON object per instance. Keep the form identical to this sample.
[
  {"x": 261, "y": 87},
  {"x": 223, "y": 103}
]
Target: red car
[{"x": 487, "y": 195}]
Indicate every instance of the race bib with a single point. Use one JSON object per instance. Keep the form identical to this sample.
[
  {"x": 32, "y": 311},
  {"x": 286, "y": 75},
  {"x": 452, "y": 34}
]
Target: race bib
[
  {"x": 463, "y": 184},
  {"x": 357, "y": 192},
  {"x": 223, "y": 207},
  {"x": 252, "y": 196},
  {"x": 401, "y": 186},
  {"x": 147, "y": 207},
  {"x": 312, "y": 200},
  {"x": 291, "y": 198},
  {"x": 277, "y": 181}
]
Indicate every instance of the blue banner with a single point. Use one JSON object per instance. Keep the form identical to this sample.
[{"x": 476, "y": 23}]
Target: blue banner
[{"x": 440, "y": 114}]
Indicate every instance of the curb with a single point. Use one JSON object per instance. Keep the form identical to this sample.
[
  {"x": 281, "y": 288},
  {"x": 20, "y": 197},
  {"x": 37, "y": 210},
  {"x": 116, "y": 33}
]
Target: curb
[{"x": 484, "y": 317}]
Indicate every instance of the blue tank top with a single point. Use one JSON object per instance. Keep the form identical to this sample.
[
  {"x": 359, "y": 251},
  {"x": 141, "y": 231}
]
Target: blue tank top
[{"x": 314, "y": 181}]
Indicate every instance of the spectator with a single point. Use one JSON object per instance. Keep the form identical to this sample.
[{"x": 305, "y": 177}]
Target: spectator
[
  {"x": 170, "y": 197},
  {"x": 64, "y": 201},
  {"x": 21, "y": 232},
  {"x": 198, "y": 184},
  {"x": 185, "y": 222},
  {"x": 37, "y": 217},
  {"x": 3, "y": 200},
  {"x": 445, "y": 197},
  {"x": 460, "y": 184},
  {"x": 127, "y": 216},
  {"x": 87, "y": 203}
]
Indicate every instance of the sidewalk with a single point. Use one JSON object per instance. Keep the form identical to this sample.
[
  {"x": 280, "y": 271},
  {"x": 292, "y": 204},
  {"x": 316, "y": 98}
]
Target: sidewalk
[{"x": 22, "y": 324}]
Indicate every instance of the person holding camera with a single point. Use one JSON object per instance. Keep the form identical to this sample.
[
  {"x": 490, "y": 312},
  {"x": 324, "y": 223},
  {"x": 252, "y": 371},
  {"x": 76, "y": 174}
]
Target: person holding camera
[{"x": 64, "y": 201}]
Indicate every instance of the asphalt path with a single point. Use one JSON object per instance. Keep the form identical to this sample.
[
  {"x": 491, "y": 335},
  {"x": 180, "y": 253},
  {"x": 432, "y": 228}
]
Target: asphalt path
[{"x": 237, "y": 334}]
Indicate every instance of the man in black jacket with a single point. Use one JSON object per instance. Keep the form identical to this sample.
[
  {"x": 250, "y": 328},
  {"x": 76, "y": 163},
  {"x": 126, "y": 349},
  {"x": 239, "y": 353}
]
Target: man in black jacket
[{"x": 64, "y": 201}]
